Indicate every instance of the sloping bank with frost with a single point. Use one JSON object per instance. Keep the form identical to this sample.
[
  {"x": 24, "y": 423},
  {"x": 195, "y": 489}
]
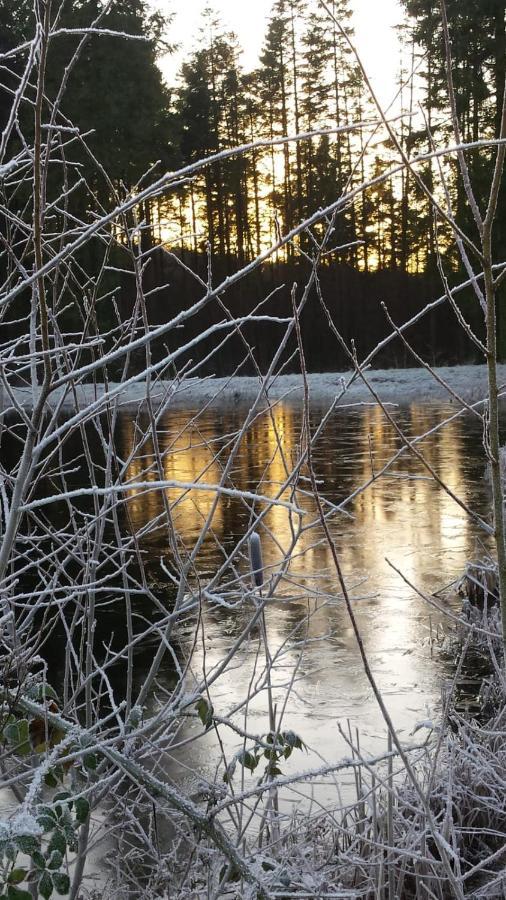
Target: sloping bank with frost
[{"x": 401, "y": 386}]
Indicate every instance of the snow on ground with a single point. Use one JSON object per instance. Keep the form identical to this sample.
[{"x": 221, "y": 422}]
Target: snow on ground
[{"x": 400, "y": 386}]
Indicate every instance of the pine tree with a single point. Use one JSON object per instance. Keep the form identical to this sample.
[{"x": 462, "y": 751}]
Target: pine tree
[
  {"x": 214, "y": 113},
  {"x": 114, "y": 93},
  {"x": 116, "y": 90},
  {"x": 478, "y": 47},
  {"x": 273, "y": 79}
]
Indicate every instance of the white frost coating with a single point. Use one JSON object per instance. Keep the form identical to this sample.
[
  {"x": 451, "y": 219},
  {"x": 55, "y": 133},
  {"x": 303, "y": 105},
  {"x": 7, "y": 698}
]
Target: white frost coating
[
  {"x": 220, "y": 600},
  {"x": 25, "y": 824},
  {"x": 8, "y": 167},
  {"x": 400, "y": 386},
  {"x": 101, "y": 32},
  {"x": 156, "y": 485},
  {"x": 425, "y": 723}
]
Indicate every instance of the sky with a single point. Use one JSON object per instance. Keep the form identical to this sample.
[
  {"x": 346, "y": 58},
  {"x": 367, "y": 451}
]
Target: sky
[{"x": 373, "y": 21}]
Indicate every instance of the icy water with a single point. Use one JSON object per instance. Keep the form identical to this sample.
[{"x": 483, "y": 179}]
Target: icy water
[{"x": 404, "y": 517}]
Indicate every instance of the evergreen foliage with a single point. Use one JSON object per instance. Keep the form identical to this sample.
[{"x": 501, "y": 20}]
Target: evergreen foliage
[
  {"x": 307, "y": 79},
  {"x": 114, "y": 90}
]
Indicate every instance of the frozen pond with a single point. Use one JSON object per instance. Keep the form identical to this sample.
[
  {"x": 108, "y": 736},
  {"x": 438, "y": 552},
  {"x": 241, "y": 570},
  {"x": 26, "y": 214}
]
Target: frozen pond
[{"x": 404, "y": 517}]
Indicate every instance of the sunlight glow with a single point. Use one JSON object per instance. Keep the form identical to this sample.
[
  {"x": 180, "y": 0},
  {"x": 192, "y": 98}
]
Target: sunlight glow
[{"x": 374, "y": 21}]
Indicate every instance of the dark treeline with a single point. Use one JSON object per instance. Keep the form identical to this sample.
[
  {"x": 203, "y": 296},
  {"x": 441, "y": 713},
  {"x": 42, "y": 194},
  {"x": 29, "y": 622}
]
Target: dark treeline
[
  {"x": 307, "y": 79},
  {"x": 352, "y": 301}
]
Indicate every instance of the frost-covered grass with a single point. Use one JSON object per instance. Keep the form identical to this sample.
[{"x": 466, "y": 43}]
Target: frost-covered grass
[
  {"x": 381, "y": 844},
  {"x": 378, "y": 845},
  {"x": 401, "y": 386}
]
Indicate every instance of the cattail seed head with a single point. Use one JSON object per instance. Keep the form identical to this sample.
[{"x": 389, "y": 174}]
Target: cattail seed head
[{"x": 255, "y": 556}]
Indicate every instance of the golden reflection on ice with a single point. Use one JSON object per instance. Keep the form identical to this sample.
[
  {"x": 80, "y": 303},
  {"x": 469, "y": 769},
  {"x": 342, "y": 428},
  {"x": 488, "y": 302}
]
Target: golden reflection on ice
[
  {"x": 395, "y": 516},
  {"x": 184, "y": 456},
  {"x": 404, "y": 516}
]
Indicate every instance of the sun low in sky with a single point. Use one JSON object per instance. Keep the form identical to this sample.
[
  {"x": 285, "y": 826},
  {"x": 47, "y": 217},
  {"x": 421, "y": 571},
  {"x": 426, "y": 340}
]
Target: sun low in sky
[{"x": 374, "y": 22}]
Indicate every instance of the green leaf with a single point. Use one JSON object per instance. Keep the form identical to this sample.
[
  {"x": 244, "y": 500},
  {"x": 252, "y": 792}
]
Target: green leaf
[
  {"x": 55, "y": 860},
  {"x": 61, "y": 797},
  {"x": 293, "y": 740},
  {"x": 14, "y": 893},
  {"x": 16, "y": 876},
  {"x": 46, "y": 885},
  {"x": 61, "y": 882},
  {"x": 18, "y": 734},
  {"x": 58, "y": 842},
  {"x": 82, "y": 809},
  {"x": 90, "y": 761},
  {"x": 66, "y": 820},
  {"x": 268, "y": 866},
  {"x": 46, "y": 823},
  {"x": 70, "y": 836},
  {"x": 48, "y": 811},
  {"x": 27, "y": 843},
  {"x": 50, "y": 779},
  {"x": 39, "y": 692},
  {"x": 273, "y": 770},
  {"x": 24, "y": 733},
  {"x": 249, "y": 761},
  {"x": 39, "y": 859},
  {"x": 205, "y": 712},
  {"x": 9, "y": 720}
]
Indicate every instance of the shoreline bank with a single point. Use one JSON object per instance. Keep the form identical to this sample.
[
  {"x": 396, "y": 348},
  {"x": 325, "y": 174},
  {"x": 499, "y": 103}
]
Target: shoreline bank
[{"x": 398, "y": 386}]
